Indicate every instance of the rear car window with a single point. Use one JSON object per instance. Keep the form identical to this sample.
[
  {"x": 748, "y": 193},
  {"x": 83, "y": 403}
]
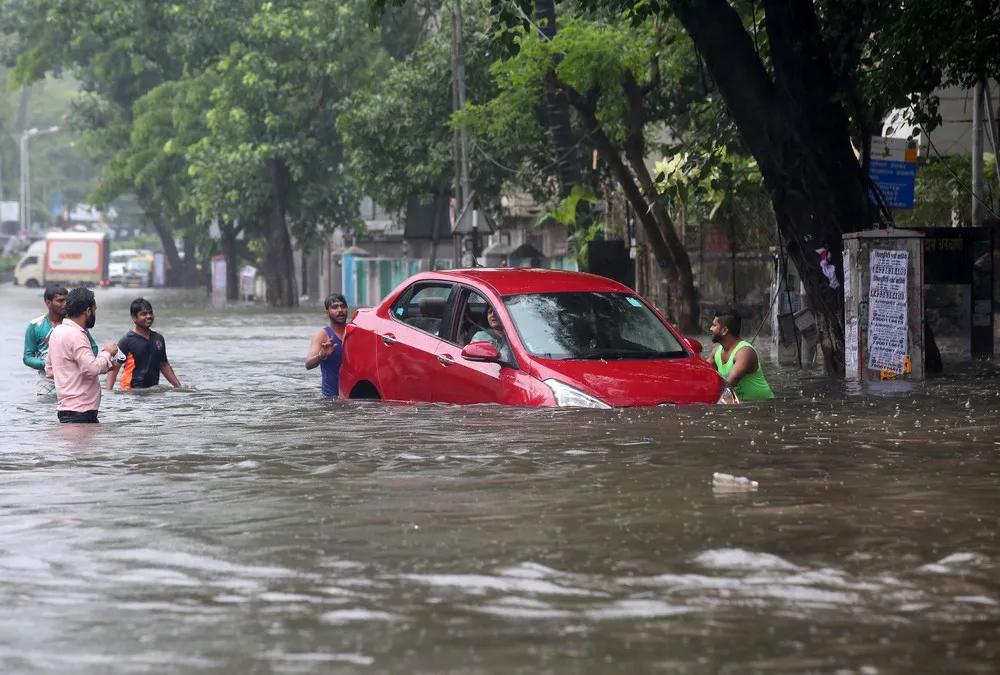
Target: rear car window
[{"x": 423, "y": 307}]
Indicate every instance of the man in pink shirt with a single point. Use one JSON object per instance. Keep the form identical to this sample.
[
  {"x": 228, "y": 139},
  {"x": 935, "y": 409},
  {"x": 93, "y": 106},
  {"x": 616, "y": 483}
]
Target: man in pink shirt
[{"x": 72, "y": 363}]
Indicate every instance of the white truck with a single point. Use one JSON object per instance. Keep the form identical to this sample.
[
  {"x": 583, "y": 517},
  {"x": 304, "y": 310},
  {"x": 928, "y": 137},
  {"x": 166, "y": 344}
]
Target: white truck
[{"x": 66, "y": 258}]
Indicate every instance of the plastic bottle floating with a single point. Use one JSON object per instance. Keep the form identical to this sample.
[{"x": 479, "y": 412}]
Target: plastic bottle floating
[{"x": 728, "y": 481}]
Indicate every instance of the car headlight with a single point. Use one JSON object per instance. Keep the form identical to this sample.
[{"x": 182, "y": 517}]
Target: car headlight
[
  {"x": 570, "y": 397},
  {"x": 728, "y": 396}
]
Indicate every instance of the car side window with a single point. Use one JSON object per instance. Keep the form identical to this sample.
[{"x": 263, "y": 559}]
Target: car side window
[
  {"x": 474, "y": 325},
  {"x": 423, "y": 307},
  {"x": 472, "y": 319},
  {"x": 30, "y": 260}
]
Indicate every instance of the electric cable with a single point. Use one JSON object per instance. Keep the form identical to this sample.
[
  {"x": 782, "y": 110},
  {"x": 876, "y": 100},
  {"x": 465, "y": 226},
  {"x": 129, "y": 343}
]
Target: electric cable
[{"x": 954, "y": 175}]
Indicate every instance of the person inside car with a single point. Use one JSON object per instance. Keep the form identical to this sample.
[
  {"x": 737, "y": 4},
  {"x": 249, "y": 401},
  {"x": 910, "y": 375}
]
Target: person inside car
[{"x": 494, "y": 334}]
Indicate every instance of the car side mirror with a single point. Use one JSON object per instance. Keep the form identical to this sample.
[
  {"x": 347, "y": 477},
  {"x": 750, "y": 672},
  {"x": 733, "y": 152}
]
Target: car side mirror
[
  {"x": 694, "y": 345},
  {"x": 481, "y": 351}
]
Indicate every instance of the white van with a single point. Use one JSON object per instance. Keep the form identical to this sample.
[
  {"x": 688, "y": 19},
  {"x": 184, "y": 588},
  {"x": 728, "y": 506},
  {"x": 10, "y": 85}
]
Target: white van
[
  {"x": 116, "y": 268},
  {"x": 30, "y": 271},
  {"x": 66, "y": 258}
]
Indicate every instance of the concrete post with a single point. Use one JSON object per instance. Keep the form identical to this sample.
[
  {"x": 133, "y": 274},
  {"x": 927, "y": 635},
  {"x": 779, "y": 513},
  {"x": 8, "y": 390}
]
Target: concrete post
[{"x": 977, "y": 155}]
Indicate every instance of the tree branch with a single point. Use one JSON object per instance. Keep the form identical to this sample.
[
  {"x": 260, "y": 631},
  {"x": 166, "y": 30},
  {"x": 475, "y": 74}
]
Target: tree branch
[
  {"x": 654, "y": 63},
  {"x": 606, "y": 149}
]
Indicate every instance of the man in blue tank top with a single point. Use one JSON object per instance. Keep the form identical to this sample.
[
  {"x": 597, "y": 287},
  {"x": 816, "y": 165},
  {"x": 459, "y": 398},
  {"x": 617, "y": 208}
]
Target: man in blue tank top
[{"x": 327, "y": 348}]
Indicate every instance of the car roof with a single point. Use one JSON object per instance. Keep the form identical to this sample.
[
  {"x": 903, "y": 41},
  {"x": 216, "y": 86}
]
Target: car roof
[
  {"x": 77, "y": 236},
  {"x": 520, "y": 280}
]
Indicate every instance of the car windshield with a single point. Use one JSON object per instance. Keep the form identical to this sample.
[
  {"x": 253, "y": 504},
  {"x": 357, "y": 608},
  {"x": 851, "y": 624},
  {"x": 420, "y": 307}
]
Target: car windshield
[
  {"x": 137, "y": 266},
  {"x": 606, "y": 326}
]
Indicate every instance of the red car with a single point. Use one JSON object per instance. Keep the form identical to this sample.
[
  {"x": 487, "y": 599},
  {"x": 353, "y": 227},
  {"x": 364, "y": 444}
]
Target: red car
[{"x": 522, "y": 337}]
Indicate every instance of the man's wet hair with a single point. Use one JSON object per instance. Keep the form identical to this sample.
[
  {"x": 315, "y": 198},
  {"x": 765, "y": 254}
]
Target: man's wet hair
[
  {"x": 52, "y": 291},
  {"x": 335, "y": 297},
  {"x": 78, "y": 301},
  {"x": 730, "y": 318},
  {"x": 139, "y": 305}
]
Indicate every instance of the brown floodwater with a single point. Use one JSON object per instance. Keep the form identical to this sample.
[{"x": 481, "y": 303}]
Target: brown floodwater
[{"x": 242, "y": 524}]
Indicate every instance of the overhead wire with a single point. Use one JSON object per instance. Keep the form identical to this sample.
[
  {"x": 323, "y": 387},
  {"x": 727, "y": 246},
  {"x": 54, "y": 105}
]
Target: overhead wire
[{"x": 933, "y": 147}]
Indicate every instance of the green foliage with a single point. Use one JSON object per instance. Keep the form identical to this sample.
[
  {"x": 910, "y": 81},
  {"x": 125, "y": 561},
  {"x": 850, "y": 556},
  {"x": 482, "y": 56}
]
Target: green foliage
[
  {"x": 144, "y": 241},
  {"x": 400, "y": 144},
  {"x": 707, "y": 178},
  {"x": 565, "y": 212},
  {"x": 941, "y": 193},
  {"x": 580, "y": 238},
  {"x": 909, "y": 49},
  {"x": 591, "y": 57},
  {"x": 8, "y": 262},
  {"x": 277, "y": 88},
  {"x": 55, "y": 165}
]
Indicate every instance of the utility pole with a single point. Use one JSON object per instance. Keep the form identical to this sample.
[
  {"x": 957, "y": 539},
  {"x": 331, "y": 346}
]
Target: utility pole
[
  {"x": 463, "y": 177},
  {"x": 26, "y": 173},
  {"x": 24, "y": 158},
  {"x": 977, "y": 155}
]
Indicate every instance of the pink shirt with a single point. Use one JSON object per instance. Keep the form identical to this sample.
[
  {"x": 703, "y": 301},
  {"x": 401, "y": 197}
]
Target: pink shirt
[{"x": 75, "y": 368}]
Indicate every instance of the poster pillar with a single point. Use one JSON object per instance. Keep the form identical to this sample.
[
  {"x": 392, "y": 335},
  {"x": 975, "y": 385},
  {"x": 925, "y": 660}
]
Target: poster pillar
[
  {"x": 159, "y": 270},
  {"x": 884, "y": 305},
  {"x": 218, "y": 280}
]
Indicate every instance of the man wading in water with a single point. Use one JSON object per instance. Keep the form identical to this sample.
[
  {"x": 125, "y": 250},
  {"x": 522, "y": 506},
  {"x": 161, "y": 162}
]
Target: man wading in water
[
  {"x": 36, "y": 338},
  {"x": 326, "y": 350},
  {"x": 736, "y": 360}
]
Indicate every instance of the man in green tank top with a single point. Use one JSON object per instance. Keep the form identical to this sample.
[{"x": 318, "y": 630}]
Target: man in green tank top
[{"x": 736, "y": 360}]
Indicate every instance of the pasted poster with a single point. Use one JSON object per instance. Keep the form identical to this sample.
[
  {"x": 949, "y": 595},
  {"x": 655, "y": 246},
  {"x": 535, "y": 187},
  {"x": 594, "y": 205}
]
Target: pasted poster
[
  {"x": 887, "y": 311},
  {"x": 851, "y": 349},
  {"x": 847, "y": 273}
]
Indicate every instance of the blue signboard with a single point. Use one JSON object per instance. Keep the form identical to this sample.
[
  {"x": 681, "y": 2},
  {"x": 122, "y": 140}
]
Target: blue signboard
[
  {"x": 894, "y": 170},
  {"x": 896, "y": 180}
]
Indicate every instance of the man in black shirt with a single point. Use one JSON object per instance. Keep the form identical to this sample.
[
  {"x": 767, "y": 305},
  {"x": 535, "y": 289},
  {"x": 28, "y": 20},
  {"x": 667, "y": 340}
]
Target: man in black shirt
[{"x": 145, "y": 353}]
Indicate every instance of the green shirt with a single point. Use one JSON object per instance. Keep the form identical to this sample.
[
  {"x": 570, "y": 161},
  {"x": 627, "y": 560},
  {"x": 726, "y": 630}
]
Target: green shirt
[
  {"x": 751, "y": 387},
  {"x": 36, "y": 343}
]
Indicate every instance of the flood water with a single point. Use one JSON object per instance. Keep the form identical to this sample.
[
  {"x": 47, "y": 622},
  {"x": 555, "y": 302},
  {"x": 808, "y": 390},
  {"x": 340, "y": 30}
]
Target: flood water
[{"x": 242, "y": 524}]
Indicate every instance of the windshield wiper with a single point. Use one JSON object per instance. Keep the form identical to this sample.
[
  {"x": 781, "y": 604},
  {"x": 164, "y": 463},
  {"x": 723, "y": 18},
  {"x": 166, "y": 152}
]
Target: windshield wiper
[{"x": 617, "y": 355}]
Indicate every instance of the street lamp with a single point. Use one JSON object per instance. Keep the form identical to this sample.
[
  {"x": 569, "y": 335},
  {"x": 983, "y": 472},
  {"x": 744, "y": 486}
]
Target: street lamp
[{"x": 26, "y": 173}]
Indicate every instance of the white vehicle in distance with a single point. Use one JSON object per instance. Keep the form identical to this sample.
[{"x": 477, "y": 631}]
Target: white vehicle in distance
[
  {"x": 65, "y": 258},
  {"x": 119, "y": 259}
]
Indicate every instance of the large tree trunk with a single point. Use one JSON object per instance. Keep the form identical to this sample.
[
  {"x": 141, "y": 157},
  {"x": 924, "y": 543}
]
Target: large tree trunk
[
  {"x": 797, "y": 131},
  {"x": 179, "y": 272},
  {"x": 227, "y": 237},
  {"x": 686, "y": 295},
  {"x": 557, "y": 109},
  {"x": 279, "y": 264}
]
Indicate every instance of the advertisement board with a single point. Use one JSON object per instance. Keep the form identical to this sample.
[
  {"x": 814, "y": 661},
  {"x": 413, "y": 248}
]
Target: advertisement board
[{"x": 73, "y": 256}]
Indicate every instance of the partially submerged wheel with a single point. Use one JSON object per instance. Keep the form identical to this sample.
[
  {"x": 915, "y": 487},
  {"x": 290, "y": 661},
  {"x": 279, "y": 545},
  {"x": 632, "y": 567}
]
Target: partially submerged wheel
[{"x": 365, "y": 390}]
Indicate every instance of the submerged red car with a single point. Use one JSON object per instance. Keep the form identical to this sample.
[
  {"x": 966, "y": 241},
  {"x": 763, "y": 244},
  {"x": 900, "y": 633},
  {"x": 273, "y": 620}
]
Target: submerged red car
[{"x": 517, "y": 336}]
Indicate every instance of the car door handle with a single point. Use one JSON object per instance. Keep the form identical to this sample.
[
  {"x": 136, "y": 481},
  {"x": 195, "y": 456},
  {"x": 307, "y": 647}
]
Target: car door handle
[
  {"x": 389, "y": 339},
  {"x": 446, "y": 360}
]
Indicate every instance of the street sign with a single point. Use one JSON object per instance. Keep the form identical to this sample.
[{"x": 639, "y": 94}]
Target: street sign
[{"x": 894, "y": 169}]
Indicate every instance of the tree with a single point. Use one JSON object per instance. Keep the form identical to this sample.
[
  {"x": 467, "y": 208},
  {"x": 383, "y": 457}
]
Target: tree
[
  {"x": 607, "y": 72},
  {"x": 399, "y": 137},
  {"x": 119, "y": 52},
  {"x": 799, "y": 78},
  {"x": 272, "y": 153}
]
